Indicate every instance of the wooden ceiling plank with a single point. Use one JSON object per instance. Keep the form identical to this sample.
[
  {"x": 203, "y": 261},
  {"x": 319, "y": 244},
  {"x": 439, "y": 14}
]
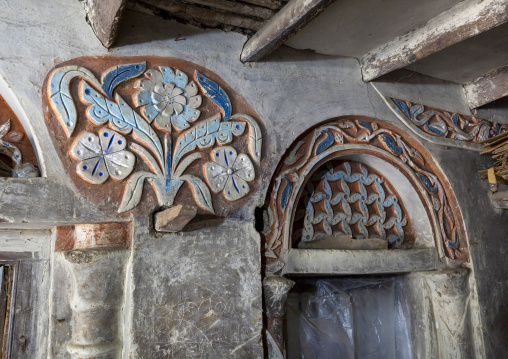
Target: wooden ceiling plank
[
  {"x": 206, "y": 16},
  {"x": 104, "y": 17},
  {"x": 236, "y": 8},
  {"x": 271, "y": 4},
  {"x": 281, "y": 27},
  {"x": 464, "y": 20},
  {"x": 487, "y": 88}
]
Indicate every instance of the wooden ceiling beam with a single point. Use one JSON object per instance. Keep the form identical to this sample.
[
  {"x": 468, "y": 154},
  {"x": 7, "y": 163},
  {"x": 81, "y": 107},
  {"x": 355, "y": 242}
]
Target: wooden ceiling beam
[
  {"x": 281, "y": 27},
  {"x": 487, "y": 88},
  {"x": 464, "y": 20},
  {"x": 104, "y": 17}
]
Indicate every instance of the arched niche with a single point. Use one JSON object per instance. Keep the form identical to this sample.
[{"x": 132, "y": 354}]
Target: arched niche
[
  {"x": 17, "y": 148},
  {"x": 419, "y": 182}
]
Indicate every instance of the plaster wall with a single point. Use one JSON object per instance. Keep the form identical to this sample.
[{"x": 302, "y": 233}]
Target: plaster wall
[{"x": 198, "y": 294}]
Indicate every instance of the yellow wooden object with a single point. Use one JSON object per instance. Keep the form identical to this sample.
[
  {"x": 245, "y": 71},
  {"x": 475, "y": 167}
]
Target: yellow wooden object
[{"x": 492, "y": 179}]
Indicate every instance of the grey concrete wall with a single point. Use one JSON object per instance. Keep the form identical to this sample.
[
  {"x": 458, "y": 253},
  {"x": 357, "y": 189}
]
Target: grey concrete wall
[{"x": 199, "y": 294}]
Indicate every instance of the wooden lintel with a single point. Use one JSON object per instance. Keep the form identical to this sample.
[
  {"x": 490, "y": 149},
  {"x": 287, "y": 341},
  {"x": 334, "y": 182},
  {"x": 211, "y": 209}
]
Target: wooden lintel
[
  {"x": 464, "y": 20},
  {"x": 488, "y": 88},
  {"x": 281, "y": 27},
  {"x": 104, "y": 17}
]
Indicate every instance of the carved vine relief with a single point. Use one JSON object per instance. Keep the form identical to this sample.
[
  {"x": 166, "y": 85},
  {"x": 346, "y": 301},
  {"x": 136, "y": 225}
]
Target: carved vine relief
[
  {"x": 167, "y": 123},
  {"x": 445, "y": 127},
  {"x": 360, "y": 135}
]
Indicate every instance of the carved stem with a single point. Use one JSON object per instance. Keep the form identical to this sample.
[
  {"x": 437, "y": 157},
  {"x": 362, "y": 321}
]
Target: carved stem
[
  {"x": 276, "y": 290},
  {"x": 96, "y": 299}
]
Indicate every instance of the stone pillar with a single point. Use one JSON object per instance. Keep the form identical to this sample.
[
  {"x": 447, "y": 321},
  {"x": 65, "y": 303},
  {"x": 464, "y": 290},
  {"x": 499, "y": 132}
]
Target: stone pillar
[
  {"x": 96, "y": 256},
  {"x": 450, "y": 295},
  {"x": 276, "y": 291}
]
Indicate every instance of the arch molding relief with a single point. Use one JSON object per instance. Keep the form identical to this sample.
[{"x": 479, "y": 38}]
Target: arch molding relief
[{"x": 347, "y": 135}]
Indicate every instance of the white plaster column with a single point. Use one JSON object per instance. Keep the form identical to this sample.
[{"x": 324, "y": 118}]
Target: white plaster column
[
  {"x": 96, "y": 260},
  {"x": 450, "y": 295},
  {"x": 276, "y": 290}
]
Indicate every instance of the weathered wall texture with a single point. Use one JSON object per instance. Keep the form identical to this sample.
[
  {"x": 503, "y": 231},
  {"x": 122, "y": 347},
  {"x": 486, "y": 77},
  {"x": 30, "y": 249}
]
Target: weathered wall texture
[{"x": 199, "y": 294}]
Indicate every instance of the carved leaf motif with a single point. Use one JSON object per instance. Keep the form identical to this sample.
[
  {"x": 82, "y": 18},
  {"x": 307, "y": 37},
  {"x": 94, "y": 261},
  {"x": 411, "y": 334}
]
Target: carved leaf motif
[
  {"x": 255, "y": 136},
  {"x": 206, "y": 134},
  {"x": 215, "y": 93},
  {"x": 200, "y": 191},
  {"x": 60, "y": 97},
  {"x": 134, "y": 190},
  {"x": 118, "y": 74},
  {"x": 121, "y": 117},
  {"x": 5, "y": 128}
]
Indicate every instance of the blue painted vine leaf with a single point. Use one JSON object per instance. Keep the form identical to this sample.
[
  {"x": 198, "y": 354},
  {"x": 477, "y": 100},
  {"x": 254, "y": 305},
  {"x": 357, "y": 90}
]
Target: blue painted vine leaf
[
  {"x": 118, "y": 74},
  {"x": 59, "y": 94},
  {"x": 121, "y": 117},
  {"x": 215, "y": 93},
  {"x": 206, "y": 134}
]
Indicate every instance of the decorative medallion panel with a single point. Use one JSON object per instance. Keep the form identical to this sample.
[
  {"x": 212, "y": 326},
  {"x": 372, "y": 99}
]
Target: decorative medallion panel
[
  {"x": 353, "y": 135},
  {"x": 350, "y": 198},
  {"x": 161, "y": 122}
]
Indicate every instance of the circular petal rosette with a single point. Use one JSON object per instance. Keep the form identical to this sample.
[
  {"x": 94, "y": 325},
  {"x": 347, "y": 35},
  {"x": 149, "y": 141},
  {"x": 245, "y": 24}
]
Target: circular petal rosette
[
  {"x": 168, "y": 98},
  {"x": 229, "y": 172},
  {"x": 102, "y": 156}
]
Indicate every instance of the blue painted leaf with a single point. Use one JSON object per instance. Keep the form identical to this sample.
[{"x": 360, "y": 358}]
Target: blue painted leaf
[
  {"x": 118, "y": 74},
  {"x": 60, "y": 97},
  {"x": 426, "y": 183},
  {"x": 402, "y": 106},
  {"x": 215, "y": 93},
  {"x": 205, "y": 134},
  {"x": 367, "y": 126},
  {"x": 284, "y": 198},
  {"x": 122, "y": 117},
  {"x": 391, "y": 145},
  {"x": 439, "y": 128},
  {"x": 327, "y": 142}
]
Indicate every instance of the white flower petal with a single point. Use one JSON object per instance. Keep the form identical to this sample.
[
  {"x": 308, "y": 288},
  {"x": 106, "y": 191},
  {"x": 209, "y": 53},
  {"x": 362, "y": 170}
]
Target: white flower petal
[
  {"x": 155, "y": 76},
  {"x": 235, "y": 188},
  {"x": 244, "y": 168},
  {"x": 180, "y": 99},
  {"x": 176, "y": 91},
  {"x": 169, "y": 86},
  {"x": 86, "y": 145},
  {"x": 159, "y": 88},
  {"x": 145, "y": 85},
  {"x": 120, "y": 164},
  {"x": 93, "y": 170},
  {"x": 178, "y": 107},
  {"x": 194, "y": 101},
  {"x": 163, "y": 122},
  {"x": 169, "y": 109},
  {"x": 216, "y": 176},
  {"x": 111, "y": 141},
  {"x": 161, "y": 106},
  {"x": 157, "y": 97},
  {"x": 224, "y": 156},
  {"x": 191, "y": 89}
]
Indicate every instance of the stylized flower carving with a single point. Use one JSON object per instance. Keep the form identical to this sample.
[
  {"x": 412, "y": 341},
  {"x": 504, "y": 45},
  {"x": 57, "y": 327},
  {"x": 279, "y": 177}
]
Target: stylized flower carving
[
  {"x": 168, "y": 98},
  {"x": 229, "y": 172},
  {"x": 102, "y": 156}
]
